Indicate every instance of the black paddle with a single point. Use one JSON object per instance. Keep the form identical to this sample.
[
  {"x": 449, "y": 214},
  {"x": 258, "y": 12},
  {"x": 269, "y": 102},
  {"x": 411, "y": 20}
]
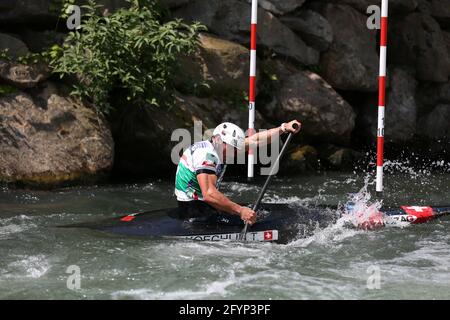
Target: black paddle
[{"x": 271, "y": 174}]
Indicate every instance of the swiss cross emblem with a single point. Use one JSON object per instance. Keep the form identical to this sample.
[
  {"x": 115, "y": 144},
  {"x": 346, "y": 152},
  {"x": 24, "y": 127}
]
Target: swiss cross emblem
[
  {"x": 268, "y": 235},
  {"x": 418, "y": 209},
  {"x": 419, "y": 214}
]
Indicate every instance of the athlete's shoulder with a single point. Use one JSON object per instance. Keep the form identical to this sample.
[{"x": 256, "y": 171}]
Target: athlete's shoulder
[{"x": 204, "y": 156}]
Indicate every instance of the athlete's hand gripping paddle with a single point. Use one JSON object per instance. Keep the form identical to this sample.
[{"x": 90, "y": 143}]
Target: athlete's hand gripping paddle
[{"x": 266, "y": 184}]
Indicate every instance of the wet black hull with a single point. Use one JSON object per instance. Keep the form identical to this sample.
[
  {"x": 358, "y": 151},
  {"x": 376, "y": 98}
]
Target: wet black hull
[{"x": 288, "y": 221}]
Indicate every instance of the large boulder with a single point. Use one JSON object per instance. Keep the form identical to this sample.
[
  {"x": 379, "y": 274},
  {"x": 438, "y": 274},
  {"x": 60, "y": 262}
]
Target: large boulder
[
  {"x": 220, "y": 64},
  {"x": 223, "y": 111},
  {"x": 401, "y": 109},
  {"x": 281, "y": 7},
  {"x": 418, "y": 40},
  {"x": 37, "y": 41},
  {"x": 300, "y": 159},
  {"x": 28, "y": 12},
  {"x": 143, "y": 135},
  {"x": 351, "y": 62},
  {"x": 338, "y": 158},
  {"x": 313, "y": 28},
  {"x": 174, "y": 3},
  {"x": 439, "y": 9},
  {"x": 394, "y": 5},
  {"x": 325, "y": 115},
  {"x": 49, "y": 139},
  {"x": 44, "y": 13},
  {"x": 23, "y": 76},
  {"x": 435, "y": 125},
  {"x": 447, "y": 41},
  {"x": 14, "y": 46},
  {"x": 231, "y": 20},
  {"x": 430, "y": 94}
]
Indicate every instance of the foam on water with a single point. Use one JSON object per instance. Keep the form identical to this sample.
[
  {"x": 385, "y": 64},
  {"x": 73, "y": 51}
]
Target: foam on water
[
  {"x": 240, "y": 187},
  {"x": 358, "y": 209},
  {"x": 33, "y": 266},
  {"x": 331, "y": 263},
  {"x": 215, "y": 289},
  {"x": 14, "y": 225}
]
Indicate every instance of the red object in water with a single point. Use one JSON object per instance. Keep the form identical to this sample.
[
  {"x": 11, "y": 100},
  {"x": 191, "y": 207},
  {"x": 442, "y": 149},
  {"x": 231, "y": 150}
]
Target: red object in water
[
  {"x": 418, "y": 214},
  {"x": 371, "y": 222},
  {"x": 127, "y": 218}
]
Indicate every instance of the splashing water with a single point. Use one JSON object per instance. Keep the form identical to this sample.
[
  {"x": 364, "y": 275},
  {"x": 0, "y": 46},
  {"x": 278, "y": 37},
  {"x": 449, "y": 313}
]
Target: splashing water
[{"x": 361, "y": 211}]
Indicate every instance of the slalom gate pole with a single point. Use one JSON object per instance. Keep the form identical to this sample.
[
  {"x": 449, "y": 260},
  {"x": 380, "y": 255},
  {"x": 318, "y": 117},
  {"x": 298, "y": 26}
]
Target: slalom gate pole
[
  {"x": 252, "y": 88},
  {"x": 382, "y": 96}
]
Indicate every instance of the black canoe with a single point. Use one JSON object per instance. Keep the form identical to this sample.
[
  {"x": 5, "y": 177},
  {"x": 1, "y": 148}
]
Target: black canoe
[{"x": 276, "y": 222}]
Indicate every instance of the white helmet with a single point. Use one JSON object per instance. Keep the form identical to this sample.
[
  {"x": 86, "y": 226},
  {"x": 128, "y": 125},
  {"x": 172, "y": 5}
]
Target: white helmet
[{"x": 231, "y": 134}]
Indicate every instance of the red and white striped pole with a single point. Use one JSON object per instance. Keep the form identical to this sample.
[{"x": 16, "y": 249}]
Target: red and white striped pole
[
  {"x": 382, "y": 95},
  {"x": 252, "y": 89}
]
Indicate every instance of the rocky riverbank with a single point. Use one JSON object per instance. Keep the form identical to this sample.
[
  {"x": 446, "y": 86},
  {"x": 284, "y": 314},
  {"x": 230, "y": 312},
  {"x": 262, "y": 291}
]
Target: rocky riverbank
[{"x": 317, "y": 61}]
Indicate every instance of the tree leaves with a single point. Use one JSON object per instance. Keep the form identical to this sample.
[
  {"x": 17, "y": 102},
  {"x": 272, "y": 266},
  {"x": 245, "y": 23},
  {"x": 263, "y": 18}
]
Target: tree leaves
[{"x": 131, "y": 49}]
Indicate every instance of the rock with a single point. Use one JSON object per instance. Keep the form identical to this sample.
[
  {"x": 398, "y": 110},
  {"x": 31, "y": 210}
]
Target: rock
[
  {"x": 430, "y": 94},
  {"x": 23, "y": 76},
  {"x": 231, "y": 20},
  {"x": 313, "y": 28},
  {"x": 439, "y": 9},
  {"x": 221, "y": 64},
  {"x": 401, "y": 109},
  {"x": 281, "y": 7},
  {"x": 173, "y": 4},
  {"x": 237, "y": 114},
  {"x": 403, "y": 5},
  {"x": 37, "y": 41},
  {"x": 48, "y": 139},
  {"x": 143, "y": 135},
  {"x": 447, "y": 40},
  {"x": 301, "y": 159},
  {"x": 394, "y": 5},
  {"x": 7, "y": 4},
  {"x": 15, "y": 46},
  {"x": 339, "y": 158},
  {"x": 42, "y": 12},
  {"x": 417, "y": 40},
  {"x": 351, "y": 62},
  {"x": 45, "y": 13},
  {"x": 401, "y": 114},
  {"x": 434, "y": 126},
  {"x": 307, "y": 97}
]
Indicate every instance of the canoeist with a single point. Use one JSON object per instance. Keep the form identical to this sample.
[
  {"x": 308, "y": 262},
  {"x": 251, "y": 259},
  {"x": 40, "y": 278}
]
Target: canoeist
[{"x": 201, "y": 169}]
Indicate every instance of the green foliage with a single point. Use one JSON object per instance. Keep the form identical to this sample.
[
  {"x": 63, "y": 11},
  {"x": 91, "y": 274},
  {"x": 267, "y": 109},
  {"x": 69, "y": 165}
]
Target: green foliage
[
  {"x": 131, "y": 50},
  {"x": 5, "y": 89},
  {"x": 4, "y": 55},
  {"x": 32, "y": 58},
  {"x": 65, "y": 5}
]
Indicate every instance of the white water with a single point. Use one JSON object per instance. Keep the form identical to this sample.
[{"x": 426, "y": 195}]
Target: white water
[{"x": 334, "y": 263}]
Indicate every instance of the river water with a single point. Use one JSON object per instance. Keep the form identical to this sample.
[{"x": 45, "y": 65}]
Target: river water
[{"x": 334, "y": 263}]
